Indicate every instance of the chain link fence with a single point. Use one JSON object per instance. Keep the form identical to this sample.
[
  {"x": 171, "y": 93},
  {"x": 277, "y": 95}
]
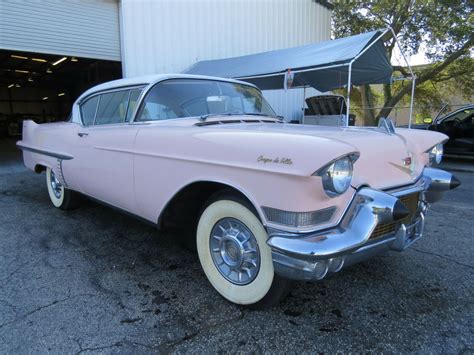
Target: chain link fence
[{"x": 401, "y": 114}]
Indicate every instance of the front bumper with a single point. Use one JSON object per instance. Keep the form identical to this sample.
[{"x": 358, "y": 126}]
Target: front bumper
[{"x": 371, "y": 225}]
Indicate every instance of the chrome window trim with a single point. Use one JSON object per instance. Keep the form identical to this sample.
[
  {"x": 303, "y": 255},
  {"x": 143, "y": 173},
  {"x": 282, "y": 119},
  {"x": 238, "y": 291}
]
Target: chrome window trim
[
  {"x": 106, "y": 91},
  {"x": 140, "y": 99},
  {"x": 97, "y": 109},
  {"x": 128, "y": 105}
]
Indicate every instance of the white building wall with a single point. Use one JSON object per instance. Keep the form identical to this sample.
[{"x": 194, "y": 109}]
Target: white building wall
[{"x": 167, "y": 36}]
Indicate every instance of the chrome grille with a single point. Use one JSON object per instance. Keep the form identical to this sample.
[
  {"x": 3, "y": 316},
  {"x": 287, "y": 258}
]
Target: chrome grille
[{"x": 411, "y": 202}]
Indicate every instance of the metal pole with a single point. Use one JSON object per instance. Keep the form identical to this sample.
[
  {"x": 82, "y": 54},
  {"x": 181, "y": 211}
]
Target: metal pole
[
  {"x": 413, "y": 83},
  {"x": 413, "y": 76},
  {"x": 348, "y": 103}
]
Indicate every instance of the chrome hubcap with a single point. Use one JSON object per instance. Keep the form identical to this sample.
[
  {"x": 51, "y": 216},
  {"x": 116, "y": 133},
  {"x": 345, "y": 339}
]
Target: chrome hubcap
[
  {"x": 56, "y": 185},
  {"x": 234, "y": 251}
]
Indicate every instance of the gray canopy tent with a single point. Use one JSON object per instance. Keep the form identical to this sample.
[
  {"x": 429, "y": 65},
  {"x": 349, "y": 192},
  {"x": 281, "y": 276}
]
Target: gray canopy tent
[{"x": 358, "y": 60}]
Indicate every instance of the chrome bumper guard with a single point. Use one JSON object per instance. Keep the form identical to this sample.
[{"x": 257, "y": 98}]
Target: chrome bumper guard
[{"x": 311, "y": 256}]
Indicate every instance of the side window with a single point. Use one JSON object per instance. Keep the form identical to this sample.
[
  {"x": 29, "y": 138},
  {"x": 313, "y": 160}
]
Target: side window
[
  {"x": 132, "y": 105},
  {"x": 112, "y": 107},
  {"x": 460, "y": 117},
  {"x": 88, "y": 110}
]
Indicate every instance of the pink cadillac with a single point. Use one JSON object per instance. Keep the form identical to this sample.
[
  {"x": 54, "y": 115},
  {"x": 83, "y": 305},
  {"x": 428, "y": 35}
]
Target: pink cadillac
[{"x": 267, "y": 201}]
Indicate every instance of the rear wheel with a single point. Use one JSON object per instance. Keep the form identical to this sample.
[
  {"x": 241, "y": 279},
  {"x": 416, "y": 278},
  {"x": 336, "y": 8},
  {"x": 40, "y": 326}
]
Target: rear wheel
[
  {"x": 60, "y": 196},
  {"x": 231, "y": 243}
]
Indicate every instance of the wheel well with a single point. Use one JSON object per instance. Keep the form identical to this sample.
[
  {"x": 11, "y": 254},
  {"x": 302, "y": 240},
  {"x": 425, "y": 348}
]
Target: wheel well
[
  {"x": 39, "y": 168},
  {"x": 184, "y": 209}
]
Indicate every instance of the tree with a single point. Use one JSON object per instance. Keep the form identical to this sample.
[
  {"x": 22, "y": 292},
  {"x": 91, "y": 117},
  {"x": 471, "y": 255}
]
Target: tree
[{"x": 443, "y": 27}]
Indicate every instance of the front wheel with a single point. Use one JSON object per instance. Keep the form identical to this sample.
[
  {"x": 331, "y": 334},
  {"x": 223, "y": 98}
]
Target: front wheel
[
  {"x": 60, "y": 197},
  {"x": 231, "y": 243}
]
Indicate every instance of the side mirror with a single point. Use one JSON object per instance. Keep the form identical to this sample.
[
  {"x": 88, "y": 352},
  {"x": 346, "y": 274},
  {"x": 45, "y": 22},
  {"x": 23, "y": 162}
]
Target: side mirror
[{"x": 428, "y": 120}]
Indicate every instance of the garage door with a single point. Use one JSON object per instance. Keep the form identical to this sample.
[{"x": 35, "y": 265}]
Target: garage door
[{"x": 78, "y": 28}]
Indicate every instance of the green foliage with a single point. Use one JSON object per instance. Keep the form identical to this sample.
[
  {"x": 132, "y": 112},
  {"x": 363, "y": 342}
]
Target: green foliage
[{"x": 443, "y": 28}]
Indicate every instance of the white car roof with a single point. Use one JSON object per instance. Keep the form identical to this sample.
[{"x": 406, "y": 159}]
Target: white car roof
[{"x": 148, "y": 81}]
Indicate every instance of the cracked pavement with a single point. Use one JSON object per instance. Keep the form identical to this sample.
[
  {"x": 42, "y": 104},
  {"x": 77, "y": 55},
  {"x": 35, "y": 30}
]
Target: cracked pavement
[{"x": 95, "y": 280}]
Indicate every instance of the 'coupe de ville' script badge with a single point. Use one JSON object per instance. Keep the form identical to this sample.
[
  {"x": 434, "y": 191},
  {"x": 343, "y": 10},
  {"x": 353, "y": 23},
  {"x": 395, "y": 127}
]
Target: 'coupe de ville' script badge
[{"x": 266, "y": 160}]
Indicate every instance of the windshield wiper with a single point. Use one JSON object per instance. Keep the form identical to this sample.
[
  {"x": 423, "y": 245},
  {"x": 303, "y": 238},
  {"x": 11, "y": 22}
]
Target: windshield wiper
[
  {"x": 262, "y": 114},
  {"x": 204, "y": 117}
]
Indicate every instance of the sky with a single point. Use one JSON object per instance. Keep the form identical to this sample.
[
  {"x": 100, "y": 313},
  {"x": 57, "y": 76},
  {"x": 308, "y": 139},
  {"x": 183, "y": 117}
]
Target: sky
[{"x": 416, "y": 59}]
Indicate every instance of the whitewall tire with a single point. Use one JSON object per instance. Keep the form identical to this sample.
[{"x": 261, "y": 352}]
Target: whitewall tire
[
  {"x": 232, "y": 249},
  {"x": 60, "y": 197}
]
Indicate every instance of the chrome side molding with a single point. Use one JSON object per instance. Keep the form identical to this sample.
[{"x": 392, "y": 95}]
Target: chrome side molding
[{"x": 61, "y": 156}]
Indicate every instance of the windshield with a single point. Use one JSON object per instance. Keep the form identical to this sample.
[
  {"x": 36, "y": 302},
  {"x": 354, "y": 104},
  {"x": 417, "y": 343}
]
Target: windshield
[{"x": 178, "y": 98}]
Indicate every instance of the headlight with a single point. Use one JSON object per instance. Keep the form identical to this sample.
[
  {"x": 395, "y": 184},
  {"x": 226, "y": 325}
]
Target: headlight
[
  {"x": 337, "y": 176},
  {"x": 436, "y": 154}
]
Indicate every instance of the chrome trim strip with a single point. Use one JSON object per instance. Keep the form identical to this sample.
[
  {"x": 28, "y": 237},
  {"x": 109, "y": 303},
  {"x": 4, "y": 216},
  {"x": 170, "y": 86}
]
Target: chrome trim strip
[
  {"x": 61, "y": 173},
  {"x": 375, "y": 244},
  {"x": 45, "y": 152},
  {"x": 418, "y": 186}
]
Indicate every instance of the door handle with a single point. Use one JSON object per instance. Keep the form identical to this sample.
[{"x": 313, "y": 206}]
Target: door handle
[{"x": 82, "y": 134}]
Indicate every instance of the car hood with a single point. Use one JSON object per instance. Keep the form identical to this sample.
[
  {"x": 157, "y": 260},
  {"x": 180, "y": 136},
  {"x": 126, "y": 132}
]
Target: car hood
[{"x": 386, "y": 160}]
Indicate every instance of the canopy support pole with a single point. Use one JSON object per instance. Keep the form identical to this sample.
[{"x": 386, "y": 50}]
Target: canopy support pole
[
  {"x": 348, "y": 101},
  {"x": 413, "y": 76},
  {"x": 346, "y": 120},
  {"x": 413, "y": 83}
]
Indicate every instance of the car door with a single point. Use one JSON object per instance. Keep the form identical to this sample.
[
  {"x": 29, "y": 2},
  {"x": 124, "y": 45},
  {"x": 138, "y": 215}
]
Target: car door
[
  {"x": 459, "y": 127},
  {"x": 104, "y": 161}
]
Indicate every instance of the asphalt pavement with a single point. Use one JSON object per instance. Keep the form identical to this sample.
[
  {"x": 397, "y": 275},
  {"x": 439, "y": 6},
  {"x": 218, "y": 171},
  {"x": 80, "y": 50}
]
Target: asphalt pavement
[{"x": 95, "y": 280}]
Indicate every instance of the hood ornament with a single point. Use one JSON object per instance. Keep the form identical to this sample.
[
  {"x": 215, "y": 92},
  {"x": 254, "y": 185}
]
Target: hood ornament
[{"x": 386, "y": 124}]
